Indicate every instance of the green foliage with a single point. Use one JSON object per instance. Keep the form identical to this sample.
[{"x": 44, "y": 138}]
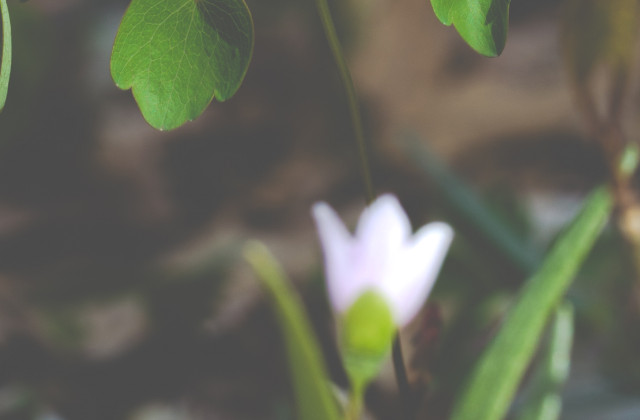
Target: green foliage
[
  {"x": 5, "y": 66},
  {"x": 313, "y": 393},
  {"x": 177, "y": 55},
  {"x": 482, "y": 24},
  {"x": 545, "y": 401},
  {"x": 497, "y": 374}
]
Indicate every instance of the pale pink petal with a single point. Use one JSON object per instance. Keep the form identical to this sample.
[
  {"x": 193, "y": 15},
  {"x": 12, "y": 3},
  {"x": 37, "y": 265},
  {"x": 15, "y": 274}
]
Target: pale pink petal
[
  {"x": 338, "y": 247},
  {"x": 382, "y": 230},
  {"x": 416, "y": 270}
]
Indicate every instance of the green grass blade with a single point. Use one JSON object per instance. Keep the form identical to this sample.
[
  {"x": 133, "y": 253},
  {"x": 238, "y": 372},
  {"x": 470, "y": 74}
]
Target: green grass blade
[
  {"x": 5, "y": 67},
  {"x": 497, "y": 374},
  {"x": 544, "y": 401},
  {"x": 313, "y": 393},
  {"x": 467, "y": 203}
]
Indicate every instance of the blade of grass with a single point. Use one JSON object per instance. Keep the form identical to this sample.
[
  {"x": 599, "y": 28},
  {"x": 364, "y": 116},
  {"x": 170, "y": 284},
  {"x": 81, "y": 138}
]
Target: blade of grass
[
  {"x": 497, "y": 374},
  {"x": 544, "y": 401},
  {"x": 470, "y": 206},
  {"x": 311, "y": 384},
  {"x": 5, "y": 66}
]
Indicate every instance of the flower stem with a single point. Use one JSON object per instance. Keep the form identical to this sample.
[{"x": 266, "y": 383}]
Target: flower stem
[
  {"x": 354, "y": 409},
  {"x": 401, "y": 375},
  {"x": 354, "y": 109}
]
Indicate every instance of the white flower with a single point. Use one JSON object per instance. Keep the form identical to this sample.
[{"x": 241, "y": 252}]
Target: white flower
[{"x": 382, "y": 257}]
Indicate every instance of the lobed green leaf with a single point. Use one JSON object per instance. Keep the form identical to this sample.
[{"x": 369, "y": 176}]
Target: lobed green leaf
[
  {"x": 482, "y": 24},
  {"x": 177, "y": 55}
]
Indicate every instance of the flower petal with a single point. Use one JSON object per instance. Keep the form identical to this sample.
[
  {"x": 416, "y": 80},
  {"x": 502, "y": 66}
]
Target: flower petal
[
  {"x": 337, "y": 245},
  {"x": 382, "y": 230},
  {"x": 417, "y": 269}
]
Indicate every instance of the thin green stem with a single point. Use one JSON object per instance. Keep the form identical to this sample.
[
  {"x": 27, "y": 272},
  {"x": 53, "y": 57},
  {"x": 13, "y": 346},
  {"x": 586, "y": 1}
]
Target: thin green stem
[
  {"x": 354, "y": 409},
  {"x": 354, "y": 109},
  {"x": 5, "y": 67}
]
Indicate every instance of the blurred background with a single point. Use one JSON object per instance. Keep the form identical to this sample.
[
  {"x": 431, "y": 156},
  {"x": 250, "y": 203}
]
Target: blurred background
[{"x": 123, "y": 294}]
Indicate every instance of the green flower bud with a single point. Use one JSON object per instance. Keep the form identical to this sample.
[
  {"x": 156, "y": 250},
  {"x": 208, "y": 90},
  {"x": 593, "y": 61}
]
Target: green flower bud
[{"x": 367, "y": 334}]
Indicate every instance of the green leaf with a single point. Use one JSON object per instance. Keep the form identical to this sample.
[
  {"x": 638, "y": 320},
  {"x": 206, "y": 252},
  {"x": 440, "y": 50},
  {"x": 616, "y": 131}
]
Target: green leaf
[
  {"x": 5, "y": 67},
  {"x": 442, "y": 9},
  {"x": 497, "y": 374},
  {"x": 481, "y": 23},
  {"x": 544, "y": 401},
  {"x": 177, "y": 55},
  {"x": 311, "y": 384}
]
